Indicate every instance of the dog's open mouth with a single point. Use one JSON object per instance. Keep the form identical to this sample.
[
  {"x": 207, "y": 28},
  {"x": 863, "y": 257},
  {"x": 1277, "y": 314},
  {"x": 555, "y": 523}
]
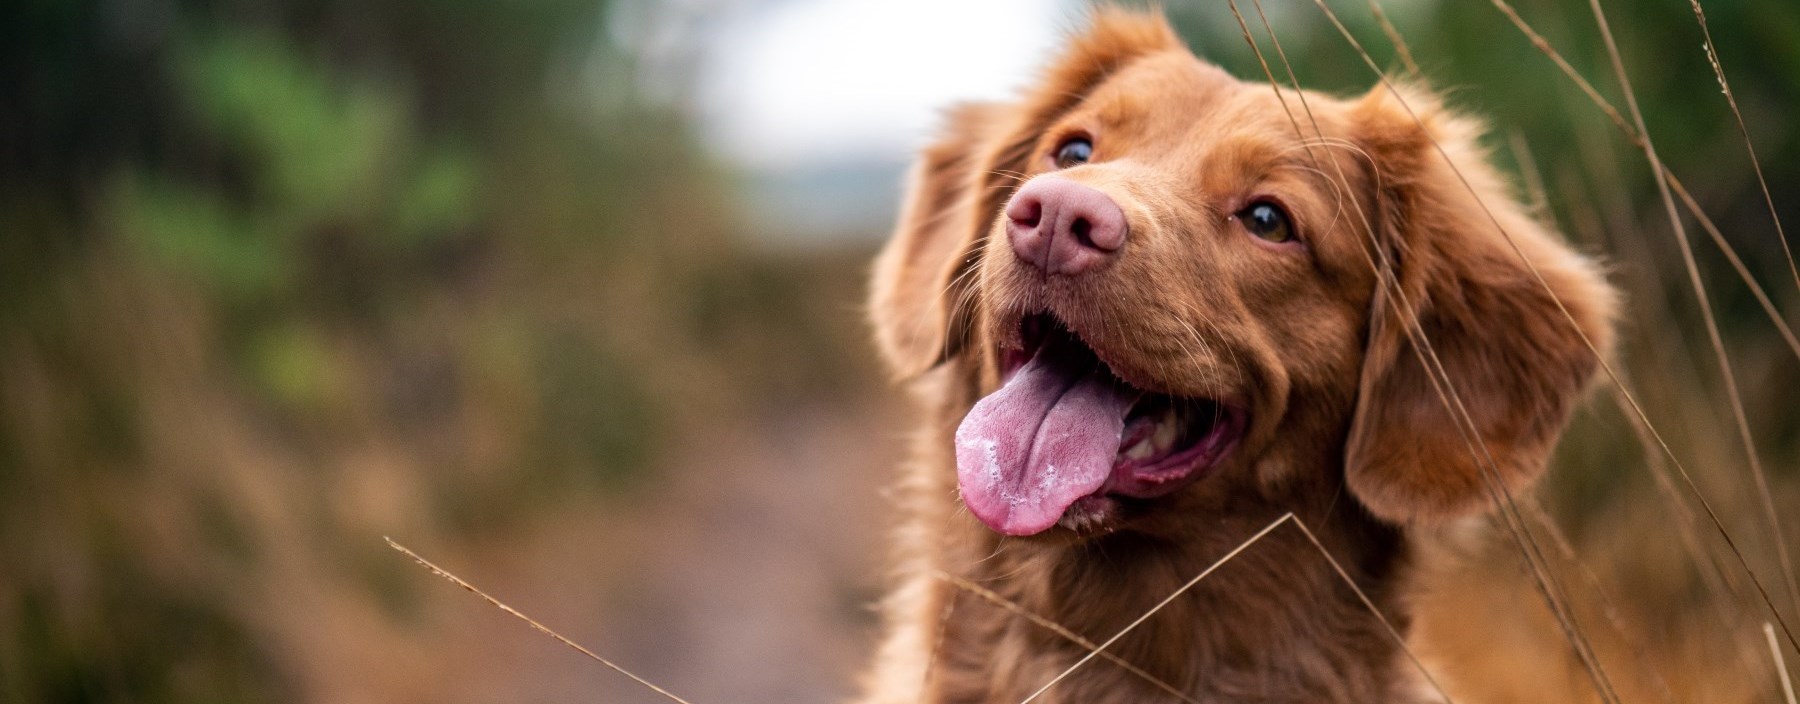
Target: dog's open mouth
[{"x": 1063, "y": 437}]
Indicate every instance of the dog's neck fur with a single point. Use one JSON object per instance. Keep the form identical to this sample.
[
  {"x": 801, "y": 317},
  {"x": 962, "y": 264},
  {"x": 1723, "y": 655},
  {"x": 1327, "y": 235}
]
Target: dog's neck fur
[{"x": 1274, "y": 624}]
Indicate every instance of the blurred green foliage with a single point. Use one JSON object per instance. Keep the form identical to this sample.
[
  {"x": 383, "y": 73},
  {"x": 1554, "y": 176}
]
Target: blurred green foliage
[
  {"x": 305, "y": 229},
  {"x": 280, "y": 279}
]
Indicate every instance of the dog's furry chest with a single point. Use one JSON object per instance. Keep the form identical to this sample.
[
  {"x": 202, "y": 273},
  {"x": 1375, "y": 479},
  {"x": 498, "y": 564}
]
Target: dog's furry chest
[{"x": 1268, "y": 630}]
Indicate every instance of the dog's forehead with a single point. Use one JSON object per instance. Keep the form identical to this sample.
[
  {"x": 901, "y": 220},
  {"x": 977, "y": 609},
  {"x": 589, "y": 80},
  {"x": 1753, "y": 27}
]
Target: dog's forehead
[
  {"x": 1169, "y": 82},
  {"x": 1173, "y": 99}
]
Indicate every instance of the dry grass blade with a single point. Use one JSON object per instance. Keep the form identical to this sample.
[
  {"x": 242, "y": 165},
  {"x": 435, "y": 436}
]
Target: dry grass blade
[
  {"x": 1276, "y": 85},
  {"x": 1389, "y": 626},
  {"x": 937, "y": 645},
  {"x": 1159, "y": 605},
  {"x": 1543, "y": 46},
  {"x": 1737, "y": 263},
  {"x": 1712, "y": 57},
  {"x": 1712, "y": 574},
  {"x": 1787, "y": 685},
  {"x": 1706, "y": 314},
  {"x": 1063, "y": 632},
  {"x": 1400, "y": 47},
  {"x": 1712, "y": 515},
  {"x": 541, "y": 628},
  {"x": 1608, "y": 609},
  {"x": 1534, "y": 179}
]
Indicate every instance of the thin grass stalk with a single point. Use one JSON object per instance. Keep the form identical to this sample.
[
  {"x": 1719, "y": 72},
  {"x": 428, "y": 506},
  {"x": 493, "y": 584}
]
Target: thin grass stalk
[
  {"x": 541, "y": 628},
  {"x": 1712, "y": 58},
  {"x": 1608, "y": 609},
  {"x": 1787, "y": 684},
  {"x": 1400, "y": 48},
  {"x": 1063, "y": 632},
  {"x": 1229, "y": 556}
]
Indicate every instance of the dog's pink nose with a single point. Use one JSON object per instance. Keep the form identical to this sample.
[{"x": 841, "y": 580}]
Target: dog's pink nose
[{"x": 1063, "y": 227}]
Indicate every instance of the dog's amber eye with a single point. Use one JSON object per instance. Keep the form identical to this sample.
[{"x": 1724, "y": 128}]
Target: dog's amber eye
[
  {"x": 1268, "y": 221},
  {"x": 1073, "y": 152}
]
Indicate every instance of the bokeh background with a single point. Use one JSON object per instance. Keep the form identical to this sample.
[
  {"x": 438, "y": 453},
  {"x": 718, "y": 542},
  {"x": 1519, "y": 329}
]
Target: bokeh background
[{"x": 565, "y": 294}]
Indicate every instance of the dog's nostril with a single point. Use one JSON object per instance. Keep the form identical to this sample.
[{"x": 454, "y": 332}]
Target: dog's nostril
[
  {"x": 1026, "y": 214},
  {"x": 1081, "y": 229}
]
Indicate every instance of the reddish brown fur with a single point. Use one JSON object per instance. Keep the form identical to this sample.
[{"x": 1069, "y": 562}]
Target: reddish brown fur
[{"x": 1348, "y": 431}]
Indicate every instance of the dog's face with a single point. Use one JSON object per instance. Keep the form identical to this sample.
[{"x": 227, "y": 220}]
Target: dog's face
[
  {"x": 1171, "y": 287},
  {"x": 1172, "y": 237}
]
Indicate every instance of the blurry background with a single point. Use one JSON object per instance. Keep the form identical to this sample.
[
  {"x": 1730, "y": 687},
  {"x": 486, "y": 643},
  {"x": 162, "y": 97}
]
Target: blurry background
[{"x": 565, "y": 295}]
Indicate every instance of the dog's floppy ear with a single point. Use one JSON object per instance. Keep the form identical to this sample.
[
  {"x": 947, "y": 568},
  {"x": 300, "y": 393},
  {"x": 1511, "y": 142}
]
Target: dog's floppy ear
[
  {"x": 912, "y": 301},
  {"x": 919, "y": 299},
  {"x": 1509, "y": 355}
]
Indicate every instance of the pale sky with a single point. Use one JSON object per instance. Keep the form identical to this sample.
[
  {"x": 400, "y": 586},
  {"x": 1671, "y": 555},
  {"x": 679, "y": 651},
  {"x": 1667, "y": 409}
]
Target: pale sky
[{"x": 811, "y": 82}]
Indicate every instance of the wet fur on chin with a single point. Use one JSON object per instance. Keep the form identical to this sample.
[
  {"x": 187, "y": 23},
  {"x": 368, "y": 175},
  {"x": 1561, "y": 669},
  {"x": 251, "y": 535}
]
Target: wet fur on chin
[{"x": 1348, "y": 431}]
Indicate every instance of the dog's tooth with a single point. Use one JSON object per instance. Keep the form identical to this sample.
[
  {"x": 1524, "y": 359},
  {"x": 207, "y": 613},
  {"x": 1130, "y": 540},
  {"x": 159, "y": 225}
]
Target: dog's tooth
[
  {"x": 1167, "y": 429},
  {"x": 1139, "y": 450}
]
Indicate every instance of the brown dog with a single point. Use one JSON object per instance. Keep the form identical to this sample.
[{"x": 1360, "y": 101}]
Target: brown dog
[{"x": 1150, "y": 309}]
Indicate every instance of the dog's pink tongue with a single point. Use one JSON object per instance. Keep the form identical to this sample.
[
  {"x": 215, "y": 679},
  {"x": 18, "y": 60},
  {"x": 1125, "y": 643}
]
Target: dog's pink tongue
[{"x": 1045, "y": 439}]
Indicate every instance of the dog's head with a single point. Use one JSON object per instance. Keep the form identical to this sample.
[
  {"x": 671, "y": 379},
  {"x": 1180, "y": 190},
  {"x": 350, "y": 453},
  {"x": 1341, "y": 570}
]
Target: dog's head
[{"x": 1169, "y": 285}]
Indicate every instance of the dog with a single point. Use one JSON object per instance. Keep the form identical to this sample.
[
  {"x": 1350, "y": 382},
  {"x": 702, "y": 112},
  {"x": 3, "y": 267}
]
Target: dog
[{"x": 1148, "y": 309}]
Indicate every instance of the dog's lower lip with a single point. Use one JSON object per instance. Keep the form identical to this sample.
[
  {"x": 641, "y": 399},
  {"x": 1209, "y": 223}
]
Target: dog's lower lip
[
  {"x": 1091, "y": 514},
  {"x": 1182, "y": 463}
]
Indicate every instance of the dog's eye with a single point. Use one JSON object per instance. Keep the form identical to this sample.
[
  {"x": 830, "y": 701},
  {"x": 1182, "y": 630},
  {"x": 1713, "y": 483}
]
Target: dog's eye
[
  {"x": 1074, "y": 152},
  {"x": 1268, "y": 221}
]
